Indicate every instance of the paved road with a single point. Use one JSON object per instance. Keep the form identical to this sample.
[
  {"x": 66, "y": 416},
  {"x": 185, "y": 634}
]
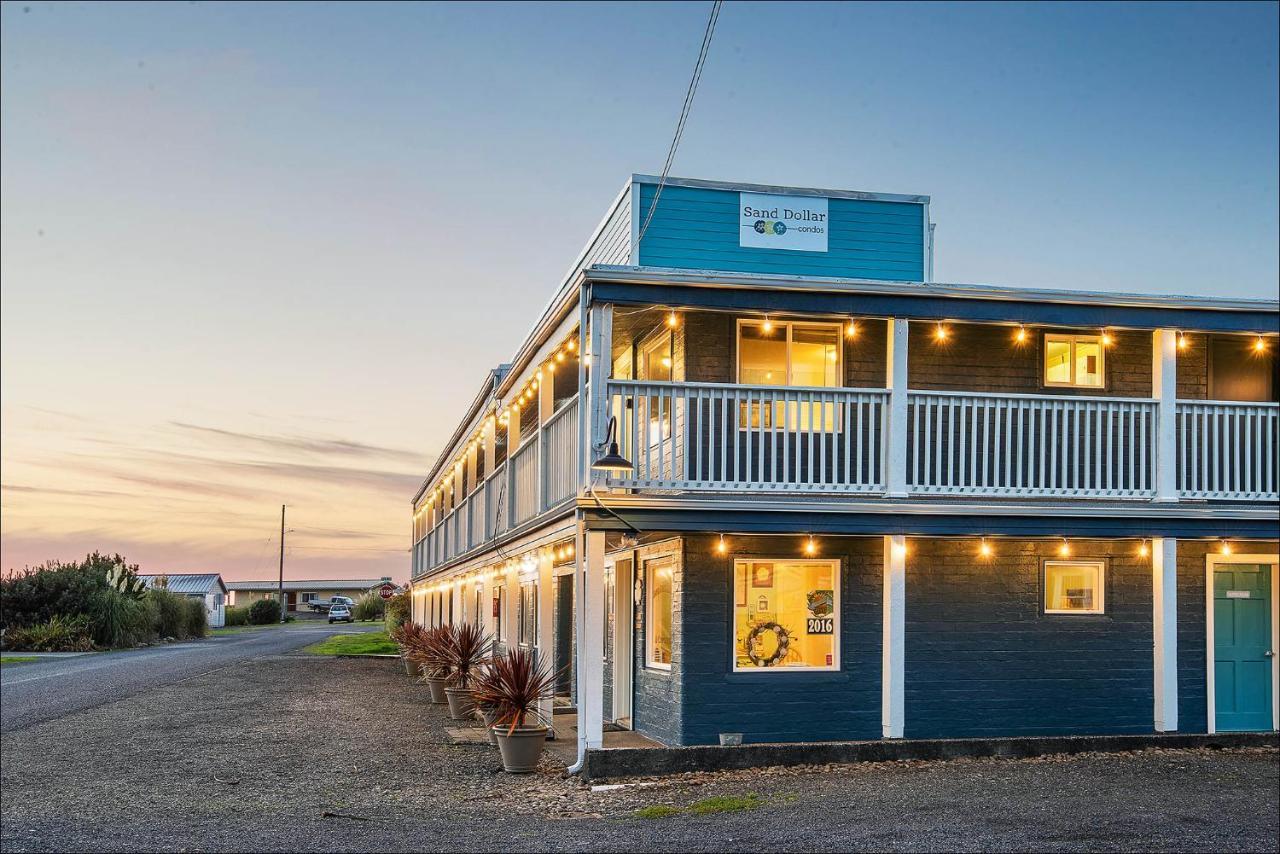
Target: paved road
[{"x": 53, "y": 688}]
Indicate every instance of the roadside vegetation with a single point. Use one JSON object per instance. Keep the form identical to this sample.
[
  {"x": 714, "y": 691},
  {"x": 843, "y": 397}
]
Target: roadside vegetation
[
  {"x": 706, "y": 806},
  {"x": 369, "y": 607},
  {"x": 97, "y": 603},
  {"x": 17, "y": 659},
  {"x": 395, "y": 612},
  {"x": 366, "y": 643}
]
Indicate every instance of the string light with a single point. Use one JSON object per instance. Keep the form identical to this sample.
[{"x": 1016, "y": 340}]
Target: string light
[
  {"x": 571, "y": 345},
  {"x": 1106, "y": 338},
  {"x": 940, "y": 332},
  {"x": 1144, "y": 550},
  {"x": 1260, "y": 345},
  {"x": 722, "y": 547},
  {"x": 1182, "y": 341},
  {"x": 1226, "y": 547},
  {"x": 851, "y": 330},
  {"x": 559, "y": 358},
  {"x": 810, "y": 547},
  {"x": 984, "y": 548},
  {"x": 1021, "y": 335},
  {"x": 1064, "y": 550},
  {"x": 671, "y": 320},
  {"x": 767, "y": 326}
]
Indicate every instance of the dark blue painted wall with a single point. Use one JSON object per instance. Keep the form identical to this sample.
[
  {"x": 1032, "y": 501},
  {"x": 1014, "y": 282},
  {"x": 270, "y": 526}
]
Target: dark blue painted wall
[
  {"x": 656, "y": 704},
  {"x": 697, "y": 229},
  {"x": 983, "y": 660}
]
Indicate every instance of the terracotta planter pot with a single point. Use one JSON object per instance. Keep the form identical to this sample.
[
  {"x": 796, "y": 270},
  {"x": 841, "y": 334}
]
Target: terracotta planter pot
[
  {"x": 437, "y": 690},
  {"x": 410, "y": 668},
  {"x": 461, "y": 705},
  {"x": 521, "y": 749}
]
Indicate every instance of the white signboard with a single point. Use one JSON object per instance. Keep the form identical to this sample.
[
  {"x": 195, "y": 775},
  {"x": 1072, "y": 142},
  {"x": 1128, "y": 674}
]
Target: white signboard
[
  {"x": 767, "y": 221},
  {"x": 1237, "y": 594}
]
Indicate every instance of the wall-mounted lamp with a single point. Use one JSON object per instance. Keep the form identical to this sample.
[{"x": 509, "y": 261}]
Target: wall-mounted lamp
[{"x": 612, "y": 459}]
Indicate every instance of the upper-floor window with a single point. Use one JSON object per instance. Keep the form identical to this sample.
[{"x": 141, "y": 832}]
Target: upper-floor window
[
  {"x": 790, "y": 354},
  {"x": 1073, "y": 361}
]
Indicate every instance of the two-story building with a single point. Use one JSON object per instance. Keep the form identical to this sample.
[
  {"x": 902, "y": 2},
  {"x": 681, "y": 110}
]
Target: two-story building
[{"x": 755, "y": 472}]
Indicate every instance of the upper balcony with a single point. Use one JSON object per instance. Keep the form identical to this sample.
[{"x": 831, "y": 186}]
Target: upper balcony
[{"x": 750, "y": 403}]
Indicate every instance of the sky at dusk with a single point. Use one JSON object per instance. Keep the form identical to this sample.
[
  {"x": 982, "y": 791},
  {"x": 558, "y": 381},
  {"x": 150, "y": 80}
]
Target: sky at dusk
[{"x": 254, "y": 255}]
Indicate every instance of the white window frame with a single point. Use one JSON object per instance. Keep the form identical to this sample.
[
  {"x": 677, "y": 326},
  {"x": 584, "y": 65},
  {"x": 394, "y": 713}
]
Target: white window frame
[
  {"x": 651, "y": 564},
  {"x": 1071, "y": 360},
  {"x": 521, "y": 608},
  {"x": 835, "y": 629},
  {"x": 499, "y": 596},
  {"x": 660, "y": 342},
  {"x": 1100, "y": 600}
]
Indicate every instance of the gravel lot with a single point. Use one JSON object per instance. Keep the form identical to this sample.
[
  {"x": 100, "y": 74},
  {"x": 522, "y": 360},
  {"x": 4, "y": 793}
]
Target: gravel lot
[{"x": 253, "y": 756}]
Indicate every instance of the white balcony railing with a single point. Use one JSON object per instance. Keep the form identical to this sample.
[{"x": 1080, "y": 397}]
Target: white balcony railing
[
  {"x": 717, "y": 436},
  {"x": 1228, "y": 450},
  {"x": 1017, "y": 444},
  {"x": 560, "y": 455},
  {"x": 523, "y": 468}
]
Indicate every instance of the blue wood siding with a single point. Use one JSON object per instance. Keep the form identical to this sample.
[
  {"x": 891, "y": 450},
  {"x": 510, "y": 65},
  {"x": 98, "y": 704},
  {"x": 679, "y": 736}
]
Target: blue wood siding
[
  {"x": 696, "y": 228},
  {"x": 983, "y": 661}
]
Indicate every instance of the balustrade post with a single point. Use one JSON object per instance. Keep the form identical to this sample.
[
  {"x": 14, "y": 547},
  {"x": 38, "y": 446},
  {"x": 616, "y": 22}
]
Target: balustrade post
[
  {"x": 1164, "y": 388},
  {"x": 895, "y": 418}
]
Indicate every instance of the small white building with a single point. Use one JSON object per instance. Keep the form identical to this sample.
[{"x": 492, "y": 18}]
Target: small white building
[{"x": 208, "y": 586}]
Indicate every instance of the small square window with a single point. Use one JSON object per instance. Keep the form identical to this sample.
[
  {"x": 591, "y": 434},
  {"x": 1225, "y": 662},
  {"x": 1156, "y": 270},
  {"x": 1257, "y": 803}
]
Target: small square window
[
  {"x": 1074, "y": 587},
  {"x": 1073, "y": 361}
]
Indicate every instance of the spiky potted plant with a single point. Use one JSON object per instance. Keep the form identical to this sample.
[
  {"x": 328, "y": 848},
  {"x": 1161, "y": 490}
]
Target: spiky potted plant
[
  {"x": 467, "y": 655},
  {"x": 433, "y": 655},
  {"x": 512, "y": 687},
  {"x": 404, "y": 636}
]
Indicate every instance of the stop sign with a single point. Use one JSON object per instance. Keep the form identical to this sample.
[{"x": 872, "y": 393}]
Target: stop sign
[{"x": 387, "y": 591}]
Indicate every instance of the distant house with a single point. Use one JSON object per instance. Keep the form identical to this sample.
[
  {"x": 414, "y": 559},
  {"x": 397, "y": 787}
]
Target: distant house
[
  {"x": 208, "y": 586},
  {"x": 299, "y": 594}
]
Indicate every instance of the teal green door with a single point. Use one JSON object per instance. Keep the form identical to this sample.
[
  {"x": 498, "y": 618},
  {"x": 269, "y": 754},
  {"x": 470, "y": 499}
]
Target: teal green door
[{"x": 1242, "y": 646}]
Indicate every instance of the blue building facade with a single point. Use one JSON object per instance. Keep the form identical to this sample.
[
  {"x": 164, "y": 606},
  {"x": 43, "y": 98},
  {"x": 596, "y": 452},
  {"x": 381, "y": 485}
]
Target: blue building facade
[{"x": 858, "y": 503}]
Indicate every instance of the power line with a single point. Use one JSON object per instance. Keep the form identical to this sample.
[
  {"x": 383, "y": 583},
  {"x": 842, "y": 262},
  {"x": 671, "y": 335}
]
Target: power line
[{"x": 684, "y": 114}]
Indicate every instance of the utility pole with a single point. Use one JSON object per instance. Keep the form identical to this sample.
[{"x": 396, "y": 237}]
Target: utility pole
[{"x": 282, "y": 602}]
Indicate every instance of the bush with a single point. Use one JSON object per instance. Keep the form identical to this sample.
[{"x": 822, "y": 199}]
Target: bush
[
  {"x": 264, "y": 611},
  {"x": 36, "y": 595},
  {"x": 57, "y": 634},
  {"x": 170, "y": 614},
  {"x": 197, "y": 625},
  {"x": 118, "y": 620},
  {"x": 236, "y": 616},
  {"x": 396, "y": 611},
  {"x": 370, "y": 607}
]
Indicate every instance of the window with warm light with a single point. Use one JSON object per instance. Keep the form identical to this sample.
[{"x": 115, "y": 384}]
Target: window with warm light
[
  {"x": 1074, "y": 587},
  {"x": 802, "y": 355},
  {"x": 527, "y": 615},
  {"x": 1073, "y": 361},
  {"x": 658, "y": 611},
  {"x": 786, "y": 615},
  {"x": 656, "y": 366}
]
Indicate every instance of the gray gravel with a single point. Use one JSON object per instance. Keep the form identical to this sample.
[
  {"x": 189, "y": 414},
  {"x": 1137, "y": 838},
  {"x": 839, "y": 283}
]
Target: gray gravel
[{"x": 252, "y": 756}]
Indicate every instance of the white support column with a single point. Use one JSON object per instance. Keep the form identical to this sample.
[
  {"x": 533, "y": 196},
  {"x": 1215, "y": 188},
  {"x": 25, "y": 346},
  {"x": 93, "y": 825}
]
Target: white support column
[
  {"x": 600, "y": 344},
  {"x": 546, "y": 624},
  {"x": 892, "y": 659},
  {"x": 1164, "y": 388},
  {"x": 1164, "y": 604},
  {"x": 895, "y": 427},
  {"x": 588, "y": 592}
]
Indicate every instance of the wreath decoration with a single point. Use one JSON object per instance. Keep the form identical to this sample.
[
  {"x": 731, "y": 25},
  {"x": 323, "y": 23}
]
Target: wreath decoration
[{"x": 784, "y": 644}]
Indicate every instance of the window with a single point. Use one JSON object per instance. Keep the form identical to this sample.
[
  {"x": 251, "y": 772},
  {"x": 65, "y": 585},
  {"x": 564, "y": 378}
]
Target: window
[
  {"x": 655, "y": 366},
  {"x": 527, "y": 614},
  {"x": 658, "y": 613},
  {"x": 806, "y": 355},
  {"x": 308, "y": 597},
  {"x": 1074, "y": 361},
  {"x": 1074, "y": 587},
  {"x": 786, "y": 614},
  {"x": 478, "y": 616},
  {"x": 498, "y": 633}
]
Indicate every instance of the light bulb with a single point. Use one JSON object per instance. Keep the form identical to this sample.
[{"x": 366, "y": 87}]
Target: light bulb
[
  {"x": 810, "y": 547},
  {"x": 767, "y": 326},
  {"x": 722, "y": 547},
  {"x": 1144, "y": 550},
  {"x": 940, "y": 333},
  {"x": 1106, "y": 339},
  {"x": 1021, "y": 335},
  {"x": 1182, "y": 341},
  {"x": 671, "y": 320},
  {"x": 1064, "y": 550},
  {"x": 1226, "y": 547},
  {"x": 851, "y": 330},
  {"x": 559, "y": 358},
  {"x": 571, "y": 345},
  {"x": 985, "y": 548},
  {"x": 1259, "y": 345}
]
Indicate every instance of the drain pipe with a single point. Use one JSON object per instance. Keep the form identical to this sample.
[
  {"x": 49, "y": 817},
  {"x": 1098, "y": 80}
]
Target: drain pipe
[{"x": 579, "y": 641}]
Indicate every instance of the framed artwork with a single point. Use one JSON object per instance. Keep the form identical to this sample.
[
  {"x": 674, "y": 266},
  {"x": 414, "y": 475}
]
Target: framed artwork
[{"x": 762, "y": 575}]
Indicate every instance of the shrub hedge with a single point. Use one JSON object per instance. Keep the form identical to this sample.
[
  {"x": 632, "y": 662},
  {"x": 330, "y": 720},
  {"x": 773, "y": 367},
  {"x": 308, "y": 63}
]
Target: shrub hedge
[
  {"x": 264, "y": 611},
  {"x": 236, "y": 616}
]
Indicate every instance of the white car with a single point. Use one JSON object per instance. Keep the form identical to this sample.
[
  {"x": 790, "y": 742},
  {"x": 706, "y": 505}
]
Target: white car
[{"x": 340, "y": 612}]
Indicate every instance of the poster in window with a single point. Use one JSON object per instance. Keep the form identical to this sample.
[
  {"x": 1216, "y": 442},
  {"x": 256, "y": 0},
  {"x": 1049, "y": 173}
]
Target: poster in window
[
  {"x": 762, "y": 575},
  {"x": 821, "y": 608}
]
